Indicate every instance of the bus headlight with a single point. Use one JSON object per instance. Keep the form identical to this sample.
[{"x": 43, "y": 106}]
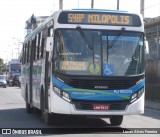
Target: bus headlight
[
  {"x": 137, "y": 95},
  {"x": 66, "y": 96},
  {"x": 140, "y": 92},
  {"x": 62, "y": 94},
  {"x": 57, "y": 90},
  {"x": 133, "y": 97}
]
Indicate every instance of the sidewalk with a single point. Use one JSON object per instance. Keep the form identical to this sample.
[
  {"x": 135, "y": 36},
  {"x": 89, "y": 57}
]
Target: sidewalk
[{"x": 152, "y": 105}]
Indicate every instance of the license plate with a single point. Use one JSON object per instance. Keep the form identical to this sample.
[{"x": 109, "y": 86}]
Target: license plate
[{"x": 100, "y": 107}]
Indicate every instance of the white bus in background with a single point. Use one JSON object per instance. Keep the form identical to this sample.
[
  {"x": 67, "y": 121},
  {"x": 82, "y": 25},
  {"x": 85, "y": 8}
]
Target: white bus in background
[
  {"x": 13, "y": 68},
  {"x": 85, "y": 63}
]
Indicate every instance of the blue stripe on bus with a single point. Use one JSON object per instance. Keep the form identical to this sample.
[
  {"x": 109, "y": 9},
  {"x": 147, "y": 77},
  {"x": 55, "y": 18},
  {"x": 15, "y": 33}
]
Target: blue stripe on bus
[
  {"x": 56, "y": 82},
  {"x": 89, "y": 94}
]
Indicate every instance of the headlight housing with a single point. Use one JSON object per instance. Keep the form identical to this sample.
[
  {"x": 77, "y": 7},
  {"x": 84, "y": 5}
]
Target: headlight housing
[
  {"x": 62, "y": 94},
  {"x": 137, "y": 95},
  {"x": 140, "y": 92},
  {"x": 66, "y": 96},
  {"x": 57, "y": 90}
]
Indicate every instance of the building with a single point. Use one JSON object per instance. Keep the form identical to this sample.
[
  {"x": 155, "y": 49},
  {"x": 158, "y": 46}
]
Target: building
[
  {"x": 152, "y": 31},
  {"x": 33, "y": 22}
]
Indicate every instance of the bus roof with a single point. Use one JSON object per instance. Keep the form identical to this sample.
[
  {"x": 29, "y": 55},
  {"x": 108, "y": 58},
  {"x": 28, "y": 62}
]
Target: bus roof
[
  {"x": 102, "y": 10},
  {"x": 60, "y": 12},
  {"x": 14, "y": 61}
]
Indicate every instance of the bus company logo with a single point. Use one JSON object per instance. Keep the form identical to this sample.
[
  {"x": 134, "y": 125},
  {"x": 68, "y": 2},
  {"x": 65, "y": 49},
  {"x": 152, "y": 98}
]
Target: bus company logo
[
  {"x": 101, "y": 87},
  {"x": 6, "y": 131}
]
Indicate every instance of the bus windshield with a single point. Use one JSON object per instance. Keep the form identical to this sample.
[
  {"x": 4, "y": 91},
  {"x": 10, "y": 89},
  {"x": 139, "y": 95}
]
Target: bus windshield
[
  {"x": 98, "y": 52},
  {"x": 15, "y": 68}
]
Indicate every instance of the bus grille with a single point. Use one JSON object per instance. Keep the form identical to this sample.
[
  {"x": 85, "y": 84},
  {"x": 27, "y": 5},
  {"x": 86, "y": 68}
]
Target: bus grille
[{"x": 103, "y": 84}]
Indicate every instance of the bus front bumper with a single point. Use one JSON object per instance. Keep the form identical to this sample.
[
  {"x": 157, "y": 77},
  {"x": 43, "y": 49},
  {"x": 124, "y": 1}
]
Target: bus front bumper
[{"x": 60, "y": 106}]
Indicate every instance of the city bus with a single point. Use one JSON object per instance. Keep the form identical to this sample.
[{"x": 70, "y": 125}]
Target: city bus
[
  {"x": 85, "y": 62},
  {"x": 12, "y": 68}
]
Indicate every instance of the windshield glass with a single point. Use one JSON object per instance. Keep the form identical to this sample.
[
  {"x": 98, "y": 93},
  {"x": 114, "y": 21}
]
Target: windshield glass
[
  {"x": 2, "y": 78},
  {"x": 98, "y": 52},
  {"x": 15, "y": 68}
]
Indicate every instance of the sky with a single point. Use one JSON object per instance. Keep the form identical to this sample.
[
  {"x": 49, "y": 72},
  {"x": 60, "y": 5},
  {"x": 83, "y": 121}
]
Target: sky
[{"x": 14, "y": 13}]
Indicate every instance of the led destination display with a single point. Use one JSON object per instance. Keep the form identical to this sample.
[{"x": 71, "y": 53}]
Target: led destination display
[{"x": 101, "y": 18}]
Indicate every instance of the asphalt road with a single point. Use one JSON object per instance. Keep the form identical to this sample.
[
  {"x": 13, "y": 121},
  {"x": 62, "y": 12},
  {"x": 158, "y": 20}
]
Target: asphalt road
[{"x": 13, "y": 115}]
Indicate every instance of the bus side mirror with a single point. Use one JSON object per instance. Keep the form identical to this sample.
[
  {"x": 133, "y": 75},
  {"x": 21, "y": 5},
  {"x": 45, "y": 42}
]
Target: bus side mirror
[
  {"x": 49, "y": 47},
  {"x": 49, "y": 44},
  {"x": 146, "y": 47}
]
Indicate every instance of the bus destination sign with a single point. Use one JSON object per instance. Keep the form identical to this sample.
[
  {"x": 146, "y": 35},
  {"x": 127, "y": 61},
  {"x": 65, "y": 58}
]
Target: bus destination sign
[{"x": 99, "y": 18}]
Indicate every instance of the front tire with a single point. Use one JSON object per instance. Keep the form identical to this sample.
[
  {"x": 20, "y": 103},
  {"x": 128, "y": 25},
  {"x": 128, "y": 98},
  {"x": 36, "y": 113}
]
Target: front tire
[
  {"x": 48, "y": 118},
  {"x": 29, "y": 109},
  {"x": 116, "y": 120}
]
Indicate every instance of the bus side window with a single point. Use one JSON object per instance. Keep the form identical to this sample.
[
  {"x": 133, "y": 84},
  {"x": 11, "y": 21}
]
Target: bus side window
[
  {"x": 33, "y": 48},
  {"x": 42, "y": 47},
  {"x": 38, "y": 45},
  {"x": 27, "y": 53},
  {"x": 23, "y": 54},
  {"x": 25, "y": 57}
]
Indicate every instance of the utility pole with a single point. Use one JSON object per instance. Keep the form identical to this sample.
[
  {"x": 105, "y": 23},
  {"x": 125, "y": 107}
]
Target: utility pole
[
  {"x": 142, "y": 8},
  {"x": 92, "y": 4},
  {"x": 60, "y": 4},
  {"x": 78, "y": 4},
  {"x": 117, "y": 4}
]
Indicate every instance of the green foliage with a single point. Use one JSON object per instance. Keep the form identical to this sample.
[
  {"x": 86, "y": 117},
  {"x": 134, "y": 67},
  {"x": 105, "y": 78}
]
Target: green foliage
[
  {"x": 1, "y": 65},
  {"x": 1, "y": 62}
]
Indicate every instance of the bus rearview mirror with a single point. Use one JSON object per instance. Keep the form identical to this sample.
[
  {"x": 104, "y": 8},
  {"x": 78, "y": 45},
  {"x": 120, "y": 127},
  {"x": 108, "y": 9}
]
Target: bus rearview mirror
[{"x": 146, "y": 47}]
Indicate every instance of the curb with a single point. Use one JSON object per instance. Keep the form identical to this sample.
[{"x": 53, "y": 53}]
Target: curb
[
  {"x": 152, "y": 108},
  {"x": 152, "y": 105}
]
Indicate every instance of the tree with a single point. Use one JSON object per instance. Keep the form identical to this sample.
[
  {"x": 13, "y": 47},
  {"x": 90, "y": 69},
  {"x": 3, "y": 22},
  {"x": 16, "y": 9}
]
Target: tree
[
  {"x": 1, "y": 65},
  {"x": 1, "y": 62}
]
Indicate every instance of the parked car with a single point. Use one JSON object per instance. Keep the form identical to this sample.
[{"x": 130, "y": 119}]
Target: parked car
[
  {"x": 14, "y": 81},
  {"x": 3, "y": 82}
]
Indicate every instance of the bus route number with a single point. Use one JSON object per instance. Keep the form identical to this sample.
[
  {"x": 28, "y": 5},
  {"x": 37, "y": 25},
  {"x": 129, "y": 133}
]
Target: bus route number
[{"x": 75, "y": 17}]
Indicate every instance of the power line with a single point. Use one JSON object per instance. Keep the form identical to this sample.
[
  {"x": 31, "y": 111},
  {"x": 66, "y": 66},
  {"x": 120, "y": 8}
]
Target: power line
[{"x": 153, "y": 5}]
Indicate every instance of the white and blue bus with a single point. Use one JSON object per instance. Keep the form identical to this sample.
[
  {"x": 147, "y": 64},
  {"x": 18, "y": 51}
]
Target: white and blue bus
[
  {"x": 85, "y": 63},
  {"x": 13, "y": 68}
]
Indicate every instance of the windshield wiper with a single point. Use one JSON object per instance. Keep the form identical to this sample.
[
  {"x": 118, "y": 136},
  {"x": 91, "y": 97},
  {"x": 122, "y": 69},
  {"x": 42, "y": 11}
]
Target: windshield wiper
[
  {"x": 84, "y": 37},
  {"x": 90, "y": 46},
  {"x": 116, "y": 38}
]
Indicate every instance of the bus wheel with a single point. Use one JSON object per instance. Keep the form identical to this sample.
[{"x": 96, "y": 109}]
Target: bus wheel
[
  {"x": 29, "y": 109},
  {"x": 116, "y": 120},
  {"x": 48, "y": 118},
  {"x": 42, "y": 109}
]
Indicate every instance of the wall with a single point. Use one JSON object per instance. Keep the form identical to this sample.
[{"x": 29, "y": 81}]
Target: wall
[
  {"x": 152, "y": 68},
  {"x": 153, "y": 80}
]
